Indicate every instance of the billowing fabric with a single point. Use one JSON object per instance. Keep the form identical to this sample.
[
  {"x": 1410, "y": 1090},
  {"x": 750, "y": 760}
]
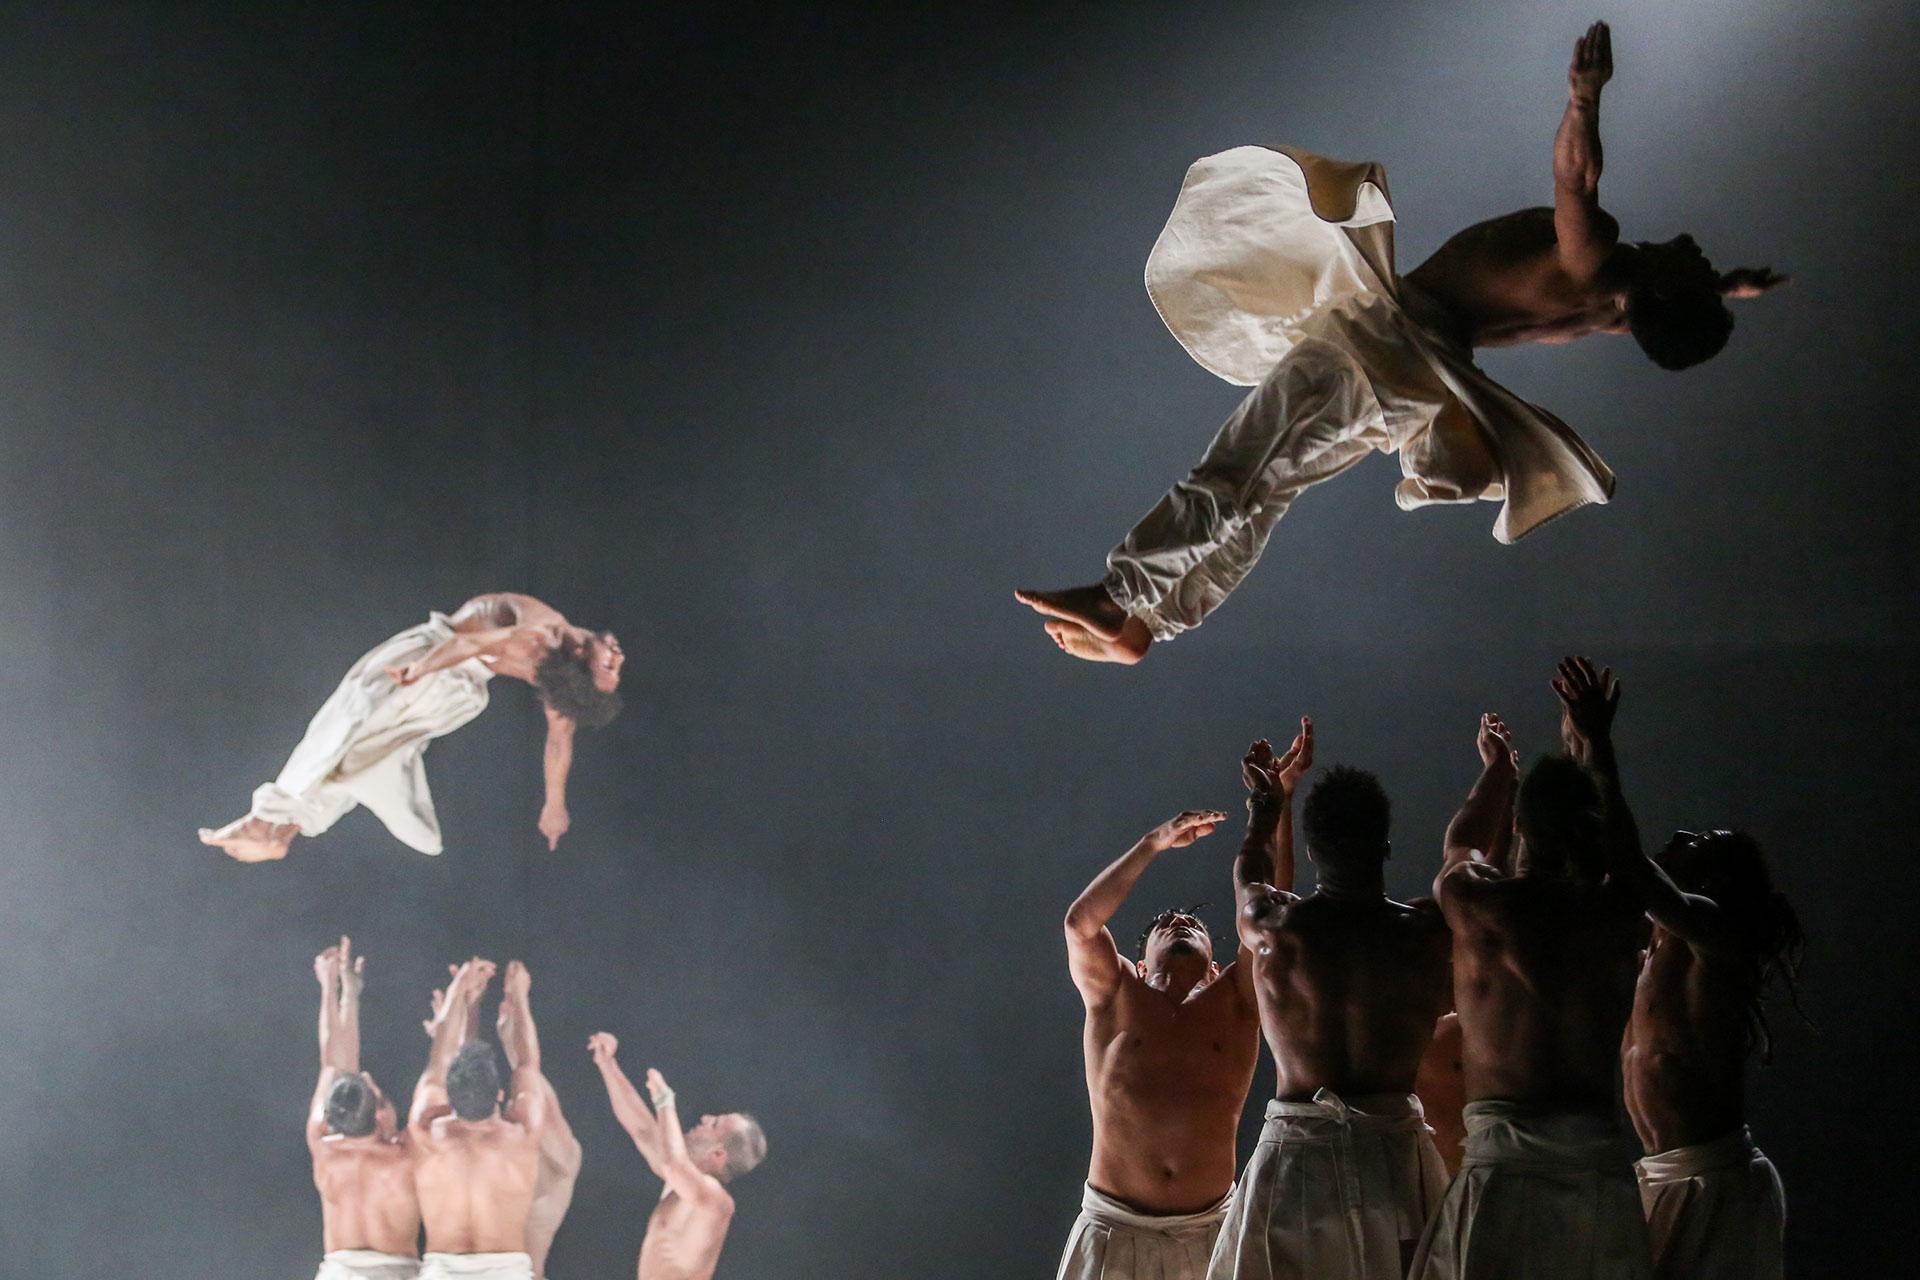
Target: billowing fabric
[
  {"x": 1541, "y": 1193},
  {"x": 366, "y": 1264},
  {"x": 1275, "y": 271},
  {"x": 366, "y": 744},
  {"x": 1716, "y": 1211},
  {"x": 476, "y": 1266},
  {"x": 1113, "y": 1242},
  {"x": 1333, "y": 1191}
]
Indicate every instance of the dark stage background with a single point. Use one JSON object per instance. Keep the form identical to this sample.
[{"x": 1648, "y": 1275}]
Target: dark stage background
[{"x": 787, "y": 342}]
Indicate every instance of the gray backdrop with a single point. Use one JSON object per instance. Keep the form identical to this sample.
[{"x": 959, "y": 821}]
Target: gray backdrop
[{"x": 787, "y": 342}]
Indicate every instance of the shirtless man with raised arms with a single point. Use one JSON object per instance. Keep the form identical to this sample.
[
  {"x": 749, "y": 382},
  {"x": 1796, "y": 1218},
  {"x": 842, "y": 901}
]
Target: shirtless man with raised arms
[
  {"x": 1276, "y": 272},
  {"x": 1171, "y": 1042},
  {"x": 367, "y": 744},
  {"x": 476, "y": 1166},
  {"x": 688, "y": 1226},
  {"x": 1544, "y": 962},
  {"x": 1350, "y": 984},
  {"x": 362, "y": 1160}
]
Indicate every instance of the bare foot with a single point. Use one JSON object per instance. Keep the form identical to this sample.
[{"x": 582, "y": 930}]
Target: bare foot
[
  {"x": 251, "y": 839},
  {"x": 1089, "y": 608},
  {"x": 1081, "y": 643}
]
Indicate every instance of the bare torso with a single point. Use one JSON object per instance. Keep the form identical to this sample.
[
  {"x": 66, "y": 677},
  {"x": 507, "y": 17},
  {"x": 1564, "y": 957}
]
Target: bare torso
[
  {"x": 534, "y": 627},
  {"x": 367, "y": 1196},
  {"x": 684, "y": 1239},
  {"x": 1349, "y": 992},
  {"x": 1503, "y": 280},
  {"x": 1167, "y": 1079},
  {"x": 1684, "y": 1056},
  {"x": 1543, "y": 973},
  {"x": 476, "y": 1182},
  {"x": 1443, "y": 1091}
]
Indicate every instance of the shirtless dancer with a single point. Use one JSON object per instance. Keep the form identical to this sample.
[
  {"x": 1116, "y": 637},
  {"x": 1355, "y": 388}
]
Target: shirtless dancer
[
  {"x": 476, "y": 1167},
  {"x": 1721, "y": 934},
  {"x": 1276, "y": 271},
  {"x": 1171, "y": 1041},
  {"x": 1544, "y": 961},
  {"x": 688, "y": 1227},
  {"x": 362, "y": 1160},
  {"x": 1350, "y": 984},
  {"x": 560, "y": 1152},
  {"x": 366, "y": 744}
]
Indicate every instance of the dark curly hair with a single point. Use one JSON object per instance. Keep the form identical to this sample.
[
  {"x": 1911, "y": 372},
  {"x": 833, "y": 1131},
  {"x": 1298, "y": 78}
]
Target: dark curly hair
[
  {"x": 1679, "y": 330},
  {"x": 351, "y": 1106},
  {"x": 1347, "y": 821},
  {"x": 1166, "y": 917},
  {"x": 1728, "y": 867},
  {"x": 473, "y": 1081},
  {"x": 566, "y": 684}
]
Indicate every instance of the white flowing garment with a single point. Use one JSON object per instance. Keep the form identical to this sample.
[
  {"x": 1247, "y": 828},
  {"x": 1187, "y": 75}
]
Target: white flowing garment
[
  {"x": 366, "y": 745},
  {"x": 1333, "y": 1191},
  {"x": 1540, "y": 1193},
  {"x": 1276, "y": 271},
  {"x": 367, "y": 1264},
  {"x": 1716, "y": 1211},
  {"x": 476, "y": 1266},
  {"x": 1110, "y": 1241}
]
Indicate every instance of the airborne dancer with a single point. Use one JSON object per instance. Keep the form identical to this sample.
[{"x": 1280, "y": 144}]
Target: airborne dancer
[{"x": 1276, "y": 272}]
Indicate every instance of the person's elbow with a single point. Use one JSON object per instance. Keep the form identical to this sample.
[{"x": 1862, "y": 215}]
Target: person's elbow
[{"x": 1079, "y": 924}]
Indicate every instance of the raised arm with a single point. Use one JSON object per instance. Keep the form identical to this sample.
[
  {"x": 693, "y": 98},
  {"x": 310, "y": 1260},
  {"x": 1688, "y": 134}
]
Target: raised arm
[
  {"x": 1585, "y": 234},
  {"x": 556, "y": 763},
  {"x": 1589, "y": 697},
  {"x": 1263, "y": 871},
  {"x": 449, "y": 1029},
  {"x": 328, "y": 967},
  {"x": 521, "y": 1041},
  {"x": 1092, "y": 958},
  {"x": 677, "y": 1168},
  {"x": 1481, "y": 831},
  {"x": 628, "y": 1109}
]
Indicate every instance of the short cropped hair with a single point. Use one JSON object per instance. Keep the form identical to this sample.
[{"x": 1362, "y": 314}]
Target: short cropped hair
[
  {"x": 1166, "y": 918},
  {"x": 1347, "y": 820},
  {"x": 1679, "y": 330},
  {"x": 745, "y": 1145},
  {"x": 1561, "y": 815},
  {"x": 351, "y": 1106},
  {"x": 566, "y": 684},
  {"x": 473, "y": 1081}
]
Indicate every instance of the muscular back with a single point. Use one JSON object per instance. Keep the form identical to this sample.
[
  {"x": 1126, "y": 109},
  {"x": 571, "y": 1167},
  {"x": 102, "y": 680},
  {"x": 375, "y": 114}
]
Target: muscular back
[
  {"x": 1349, "y": 993},
  {"x": 1684, "y": 1059},
  {"x": 366, "y": 1191},
  {"x": 476, "y": 1181},
  {"x": 1543, "y": 975},
  {"x": 1504, "y": 282},
  {"x": 684, "y": 1238},
  {"x": 1167, "y": 1079}
]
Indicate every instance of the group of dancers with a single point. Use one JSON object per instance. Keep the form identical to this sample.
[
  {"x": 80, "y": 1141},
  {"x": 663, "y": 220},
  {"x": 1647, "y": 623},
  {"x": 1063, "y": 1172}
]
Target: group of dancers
[
  {"x": 486, "y": 1167},
  {"x": 1502, "y": 1002},
  {"x": 1448, "y": 1070}
]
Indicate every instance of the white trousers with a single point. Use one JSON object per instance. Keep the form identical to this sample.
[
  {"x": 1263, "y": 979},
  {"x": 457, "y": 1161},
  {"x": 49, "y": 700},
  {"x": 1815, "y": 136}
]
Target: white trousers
[
  {"x": 476, "y": 1266},
  {"x": 366, "y": 745},
  {"x": 1540, "y": 1193},
  {"x": 1716, "y": 1211},
  {"x": 1334, "y": 1190},
  {"x": 366, "y": 1264},
  {"x": 1111, "y": 1241}
]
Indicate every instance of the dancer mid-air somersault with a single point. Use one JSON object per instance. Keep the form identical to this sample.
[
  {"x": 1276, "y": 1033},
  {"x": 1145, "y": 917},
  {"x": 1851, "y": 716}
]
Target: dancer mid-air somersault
[
  {"x": 366, "y": 744},
  {"x": 1276, "y": 272}
]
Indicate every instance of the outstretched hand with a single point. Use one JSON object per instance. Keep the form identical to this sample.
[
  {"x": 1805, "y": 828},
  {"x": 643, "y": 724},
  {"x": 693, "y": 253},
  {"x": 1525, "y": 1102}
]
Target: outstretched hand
[
  {"x": 554, "y": 823},
  {"x": 1750, "y": 282},
  {"x": 1181, "y": 831},
  {"x": 353, "y": 970},
  {"x": 326, "y": 967},
  {"x": 1495, "y": 742},
  {"x": 1592, "y": 64},
  {"x": 1267, "y": 774},
  {"x": 1589, "y": 696},
  {"x": 603, "y": 1046}
]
